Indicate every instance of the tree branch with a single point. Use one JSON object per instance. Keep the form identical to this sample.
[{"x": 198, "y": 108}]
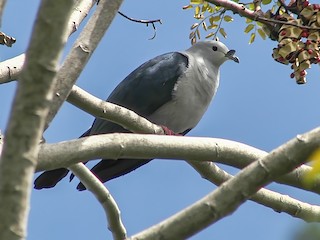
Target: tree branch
[
  {"x": 131, "y": 121},
  {"x": 11, "y": 68},
  {"x": 240, "y": 9},
  {"x": 79, "y": 13},
  {"x": 127, "y": 145},
  {"x": 112, "y": 112},
  {"x": 274, "y": 200},
  {"x": 1, "y": 143},
  {"x": 114, "y": 146},
  {"x": 82, "y": 51},
  {"x": 104, "y": 197},
  {"x": 147, "y": 22},
  {"x": 26, "y": 122},
  {"x": 228, "y": 197}
]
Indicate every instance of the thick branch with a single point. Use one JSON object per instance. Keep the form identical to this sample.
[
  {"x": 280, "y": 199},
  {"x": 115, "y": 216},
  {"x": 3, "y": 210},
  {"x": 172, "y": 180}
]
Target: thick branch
[
  {"x": 274, "y": 200},
  {"x": 1, "y": 143},
  {"x": 114, "y": 113},
  {"x": 26, "y": 122},
  {"x": 257, "y": 15},
  {"x": 236, "y": 8},
  {"x": 104, "y": 197},
  {"x": 231, "y": 194},
  {"x": 121, "y": 145},
  {"x": 82, "y": 51},
  {"x": 113, "y": 146},
  {"x": 131, "y": 121}
]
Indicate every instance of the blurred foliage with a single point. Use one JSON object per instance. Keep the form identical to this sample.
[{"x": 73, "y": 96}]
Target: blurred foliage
[
  {"x": 309, "y": 231},
  {"x": 314, "y": 174},
  {"x": 295, "y": 26},
  {"x": 210, "y": 19}
]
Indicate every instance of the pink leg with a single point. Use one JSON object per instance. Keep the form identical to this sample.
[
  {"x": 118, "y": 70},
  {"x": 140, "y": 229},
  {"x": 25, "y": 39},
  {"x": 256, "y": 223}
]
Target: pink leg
[{"x": 169, "y": 132}]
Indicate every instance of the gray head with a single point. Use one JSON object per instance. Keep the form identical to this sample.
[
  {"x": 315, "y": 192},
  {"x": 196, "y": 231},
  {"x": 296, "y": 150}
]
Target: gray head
[{"x": 213, "y": 51}]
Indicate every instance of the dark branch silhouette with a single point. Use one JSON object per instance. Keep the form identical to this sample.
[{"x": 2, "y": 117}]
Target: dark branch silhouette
[{"x": 147, "y": 22}]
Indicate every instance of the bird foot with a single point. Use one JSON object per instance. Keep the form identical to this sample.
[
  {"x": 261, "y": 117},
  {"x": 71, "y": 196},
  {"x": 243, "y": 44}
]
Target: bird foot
[{"x": 169, "y": 132}]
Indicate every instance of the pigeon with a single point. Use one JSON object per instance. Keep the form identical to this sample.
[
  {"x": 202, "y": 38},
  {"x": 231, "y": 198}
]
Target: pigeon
[{"x": 172, "y": 90}]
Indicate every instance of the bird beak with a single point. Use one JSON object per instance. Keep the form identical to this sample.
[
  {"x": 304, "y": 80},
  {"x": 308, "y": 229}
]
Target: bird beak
[{"x": 231, "y": 56}]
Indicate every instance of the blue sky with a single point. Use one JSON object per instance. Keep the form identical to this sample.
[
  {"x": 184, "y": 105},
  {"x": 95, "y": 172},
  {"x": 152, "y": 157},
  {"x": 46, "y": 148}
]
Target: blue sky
[{"x": 257, "y": 104}]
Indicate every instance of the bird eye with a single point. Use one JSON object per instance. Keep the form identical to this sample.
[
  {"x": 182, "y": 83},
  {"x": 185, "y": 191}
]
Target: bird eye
[{"x": 214, "y": 48}]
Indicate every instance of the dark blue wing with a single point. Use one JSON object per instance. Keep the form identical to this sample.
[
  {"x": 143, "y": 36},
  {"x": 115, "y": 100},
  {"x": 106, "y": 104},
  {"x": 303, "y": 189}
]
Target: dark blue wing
[
  {"x": 145, "y": 89},
  {"x": 150, "y": 86}
]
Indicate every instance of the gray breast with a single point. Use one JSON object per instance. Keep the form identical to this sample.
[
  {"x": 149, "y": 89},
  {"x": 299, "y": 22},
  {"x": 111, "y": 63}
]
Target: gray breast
[{"x": 191, "y": 97}]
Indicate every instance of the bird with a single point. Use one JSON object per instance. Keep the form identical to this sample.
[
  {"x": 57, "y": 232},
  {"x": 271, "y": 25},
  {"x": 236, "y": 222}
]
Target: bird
[{"x": 172, "y": 90}]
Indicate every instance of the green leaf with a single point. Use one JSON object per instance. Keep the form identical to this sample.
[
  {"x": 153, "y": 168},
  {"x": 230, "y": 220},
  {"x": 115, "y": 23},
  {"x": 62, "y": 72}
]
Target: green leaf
[
  {"x": 191, "y": 35},
  {"x": 213, "y": 26},
  {"x": 252, "y": 37},
  {"x": 194, "y": 26},
  {"x": 248, "y": 20},
  {"x": 187, "y": 7},
  {"x": 204, "y": 25},
  {"x": 251, "y": 6},
  {"x": 227, "y": 18},
  {"x": 196, "y": 1},
  {"x": 259, "y": 24},
  {"x": 213, "y": 19},
  {"x": 210, "y": 9},
  {"x": 266, "y": 2},
  {"x": 204, "y": 8},
  {"x": 197, "y": 10},
  {"x": 223, "y": 32},
  {"x": 193, "y": 40},
  {"x": 198, "y": 33},
  {"x": 262, "y": 33},
  {"x": 311, "y": 176},
  {"x": 210, "y": 35},
  {"x": 249, "y": 28}
]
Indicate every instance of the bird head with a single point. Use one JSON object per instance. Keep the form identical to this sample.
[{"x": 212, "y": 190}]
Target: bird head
[{"x": 214, "y": 51}]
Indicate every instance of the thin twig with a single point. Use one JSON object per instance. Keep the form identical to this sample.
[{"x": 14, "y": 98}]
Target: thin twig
[
  {"x": 106, "y": 200},
  {"x": 147, "y": 22}
]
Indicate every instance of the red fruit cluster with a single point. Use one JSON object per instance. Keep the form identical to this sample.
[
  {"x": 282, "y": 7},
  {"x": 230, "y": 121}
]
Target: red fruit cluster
[{"x": 299, "y": 44}]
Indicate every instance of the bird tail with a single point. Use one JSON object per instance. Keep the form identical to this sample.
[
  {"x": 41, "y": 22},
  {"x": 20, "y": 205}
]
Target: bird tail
[
  {"x": 108, "y": 169},
  {"x": 49, "y": 179}
]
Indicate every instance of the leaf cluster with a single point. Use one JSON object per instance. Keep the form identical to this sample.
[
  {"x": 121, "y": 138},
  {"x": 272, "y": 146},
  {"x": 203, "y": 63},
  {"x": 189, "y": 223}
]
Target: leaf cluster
[
  {"x": 210, "y": 18},
  {"x": 294, "y": 26}
]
